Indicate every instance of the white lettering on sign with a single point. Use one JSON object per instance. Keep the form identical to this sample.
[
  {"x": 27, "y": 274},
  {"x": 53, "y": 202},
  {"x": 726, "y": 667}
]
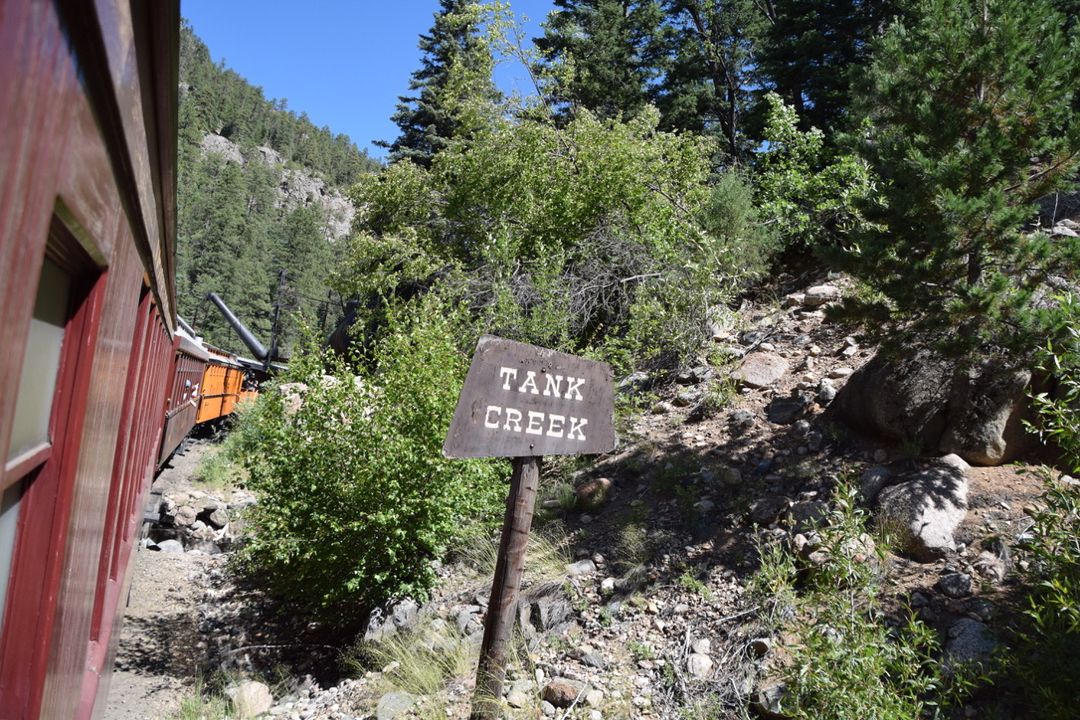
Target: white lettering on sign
[
  {"x": 539, "y": 423},
  {"x": 552, "y": 389}
]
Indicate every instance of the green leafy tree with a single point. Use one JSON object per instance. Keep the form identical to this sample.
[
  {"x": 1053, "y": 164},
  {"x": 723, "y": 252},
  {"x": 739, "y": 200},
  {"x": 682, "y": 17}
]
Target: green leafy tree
[
  {"x": 357, "y": 499},
  {"x": 970, "y": 123},
  {"x": 812, "y": 49},
  {"x": 598, "y": 236},
  {"x": 454, "y": 91},
  {"x": 808, "y": 198},
  {"x": 713, "y": 68}
]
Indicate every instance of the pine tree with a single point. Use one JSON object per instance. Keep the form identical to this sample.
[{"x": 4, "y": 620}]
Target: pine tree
[
  {"x": 970, "y": 122},
  {"x": 813, "y": 47},
  {"x": 713, "y": 67},
  {"x": 604, "y": 55},
  {"x": 453, "y": 88}
]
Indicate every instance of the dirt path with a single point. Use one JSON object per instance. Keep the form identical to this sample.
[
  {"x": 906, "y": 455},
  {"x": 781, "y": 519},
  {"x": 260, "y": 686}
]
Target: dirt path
[{"x": 157, "y": 663}]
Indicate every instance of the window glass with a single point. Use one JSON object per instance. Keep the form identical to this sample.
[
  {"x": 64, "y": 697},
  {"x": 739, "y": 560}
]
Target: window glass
[
  {"x": 9, "y": 520},
  {"x": 41, "y": 362}
]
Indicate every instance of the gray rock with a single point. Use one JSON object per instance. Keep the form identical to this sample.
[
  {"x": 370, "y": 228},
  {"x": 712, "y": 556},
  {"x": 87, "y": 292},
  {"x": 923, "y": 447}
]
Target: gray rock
[
  {"x": 582, "y": 567},
  {"x": 786, "y": 410},
  {"x": 769, "y": 699},
  {"x": 741, "y": 417},
  {"x": 405, "y": 614},
  {"x": 251, "y": 699},
  {"x": 826, "y": 392},
  {"x": 549, "y": 611},
  {"x": 873, "y": 480},
  {"x": 821, "y": 294},
  {"x": 730, "y": 476},
  {"x": 976, "y": 413},
  {"x": 970, "y": 641},
  {"x": 925, "y": 511},
  {"x": 955, "y": 585},
  {"x": 468, "y": 620},
  {"x": 768, "y": 509},
  {"x": 760, "y": 370},
  {"x": 393, "y": 704},
  {"x": 170, "y": 546},
  {"x": 698, "y": 665},
  {"x": 594, "y": 659}
]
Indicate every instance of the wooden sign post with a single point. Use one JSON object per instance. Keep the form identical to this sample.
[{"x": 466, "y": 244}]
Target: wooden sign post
[{"x": 524, "y": 402}]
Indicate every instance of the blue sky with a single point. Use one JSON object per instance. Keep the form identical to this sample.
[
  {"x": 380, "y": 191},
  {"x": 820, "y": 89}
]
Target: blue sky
[{"x": 344, "y": 62}]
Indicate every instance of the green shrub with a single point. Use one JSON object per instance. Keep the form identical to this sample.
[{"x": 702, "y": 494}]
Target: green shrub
[
  {"x": 356, "y": 499},
  {"x": 846, "y": 662},
  {"x": 1046, "y": 656}
]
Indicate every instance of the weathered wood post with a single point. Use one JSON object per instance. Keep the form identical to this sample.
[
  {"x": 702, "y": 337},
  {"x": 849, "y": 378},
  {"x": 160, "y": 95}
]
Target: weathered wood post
[
  {"x": 522, "y": 401},
  {"x": 502, "y": 605}
]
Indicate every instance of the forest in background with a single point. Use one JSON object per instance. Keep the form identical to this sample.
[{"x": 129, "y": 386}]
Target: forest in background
[{"x": 237, "y": 234}]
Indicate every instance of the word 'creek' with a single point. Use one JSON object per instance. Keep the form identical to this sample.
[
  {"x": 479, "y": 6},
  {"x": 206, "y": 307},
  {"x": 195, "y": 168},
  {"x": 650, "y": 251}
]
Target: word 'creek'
[{"x": 534, "y": 422}]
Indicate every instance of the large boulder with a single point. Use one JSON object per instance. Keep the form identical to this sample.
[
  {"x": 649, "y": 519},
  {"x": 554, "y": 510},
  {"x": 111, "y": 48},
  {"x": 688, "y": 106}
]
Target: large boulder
[
  {"x": 976, "y": 413},
  {"x": 986, "y": 414},
  {"x": 925, "y": 510}
]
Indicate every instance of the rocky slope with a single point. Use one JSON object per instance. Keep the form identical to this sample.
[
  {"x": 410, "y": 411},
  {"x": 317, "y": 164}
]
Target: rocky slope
[
  {"x": 295, "y": 188},
  {"x": 647, "y": 611}
]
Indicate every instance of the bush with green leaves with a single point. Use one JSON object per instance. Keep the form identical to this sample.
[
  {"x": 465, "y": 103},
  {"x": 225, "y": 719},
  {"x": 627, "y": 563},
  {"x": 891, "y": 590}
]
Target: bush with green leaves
[
  {"x": 356, "y": 499},
  {"x": 847, "y": 663},
  {"x": 1046, "y": 657},
  {"x": 597, "y": 237},
  {"x": 806, "y": 196}
]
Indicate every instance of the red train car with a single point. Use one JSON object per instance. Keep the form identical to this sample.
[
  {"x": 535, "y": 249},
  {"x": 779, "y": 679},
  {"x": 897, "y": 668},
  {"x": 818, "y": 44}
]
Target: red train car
[{"x": 87, "y": 329}]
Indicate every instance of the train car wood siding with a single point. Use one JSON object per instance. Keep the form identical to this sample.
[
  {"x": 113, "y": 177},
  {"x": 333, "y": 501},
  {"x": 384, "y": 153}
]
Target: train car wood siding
[{"x": 87, "y": 213}]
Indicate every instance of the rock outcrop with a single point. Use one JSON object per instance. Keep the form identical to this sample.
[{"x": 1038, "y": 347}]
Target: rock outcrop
[
  {"x": 296, "y": 188},
  {"x": 976, "y": 413}
]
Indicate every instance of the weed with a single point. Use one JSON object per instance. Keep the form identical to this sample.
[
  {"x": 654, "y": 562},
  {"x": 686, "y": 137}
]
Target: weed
[
  {"x": 845, "y": 662},
  {"x": 690, "y": 580},
  {"x": 546, "y": 556},
  {"x": 911, "y": 448},
  {"x": 633, "y": 548},
  {"x": 203, "y": 704},
  {"x": 642, "y": 650}
]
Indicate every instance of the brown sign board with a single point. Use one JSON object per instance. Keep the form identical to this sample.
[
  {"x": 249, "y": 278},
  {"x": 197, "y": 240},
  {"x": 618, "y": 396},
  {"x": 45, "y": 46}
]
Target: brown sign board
[{"x": 524, "y": 401}]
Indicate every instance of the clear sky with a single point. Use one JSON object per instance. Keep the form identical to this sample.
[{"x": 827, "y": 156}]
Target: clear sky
[{"x": 344, "y": 62}]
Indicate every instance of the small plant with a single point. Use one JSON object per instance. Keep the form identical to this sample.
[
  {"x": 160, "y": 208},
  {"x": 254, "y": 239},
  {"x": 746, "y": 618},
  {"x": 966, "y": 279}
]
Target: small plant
[
  {"x": 642, "y": 650},
  {"x": 203, "y": 704},
  {"x": 1046, "y": 658},
  {"x": 690, "y": 580},
  {"x": 845, "y": 662},
  {"x": 421, "y": 661},
  {"x": 633, "y": 548},
  {"x": 546, "y": 556}
]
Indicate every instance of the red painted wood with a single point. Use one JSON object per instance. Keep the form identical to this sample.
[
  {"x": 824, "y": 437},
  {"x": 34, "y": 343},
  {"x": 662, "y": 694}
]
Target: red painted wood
[{"x": 87, "y": 135}]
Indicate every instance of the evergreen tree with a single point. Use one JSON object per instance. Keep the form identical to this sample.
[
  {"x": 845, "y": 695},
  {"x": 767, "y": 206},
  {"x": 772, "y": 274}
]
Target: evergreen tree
[
  {"x": 969, "y": 124},
  {"x": 454, "y": 88},
  {"x": 713, "y": 67},
  {"x": 604, "y": 55},
  {"x": 812, "y": 48}
]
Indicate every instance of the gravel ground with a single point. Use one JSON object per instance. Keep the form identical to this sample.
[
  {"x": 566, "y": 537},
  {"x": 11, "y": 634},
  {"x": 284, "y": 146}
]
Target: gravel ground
[{"x": 157, "y": 661}]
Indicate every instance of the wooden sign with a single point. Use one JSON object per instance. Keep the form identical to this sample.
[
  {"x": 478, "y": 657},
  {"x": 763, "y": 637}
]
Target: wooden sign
[{"x": 525, "y": 401}]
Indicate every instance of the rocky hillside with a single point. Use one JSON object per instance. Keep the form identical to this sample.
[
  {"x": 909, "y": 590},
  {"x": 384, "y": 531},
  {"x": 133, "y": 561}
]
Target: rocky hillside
[
  {"x": 295, "y": 188},
  {"x": 646, "y": 593}
]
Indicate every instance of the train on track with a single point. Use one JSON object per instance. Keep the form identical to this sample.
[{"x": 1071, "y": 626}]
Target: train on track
[{"x": 99, "y": 382}]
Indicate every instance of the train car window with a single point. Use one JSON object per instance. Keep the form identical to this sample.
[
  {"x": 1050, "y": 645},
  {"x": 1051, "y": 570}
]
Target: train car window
[
  {"x": 41, "y": 361},
  {"x": 9, "y": 520}
]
